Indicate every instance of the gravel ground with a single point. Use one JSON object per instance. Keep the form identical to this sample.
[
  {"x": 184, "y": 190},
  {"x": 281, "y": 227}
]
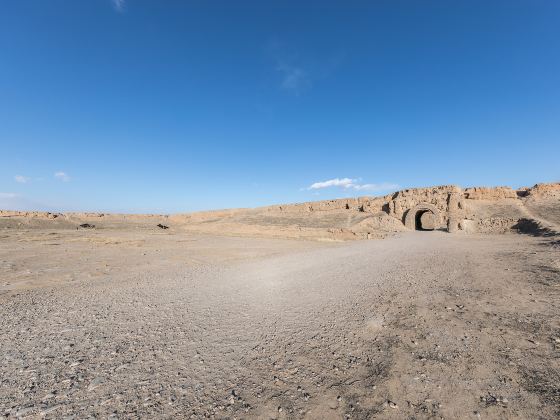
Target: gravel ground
[{"x": 423, "y": 325}]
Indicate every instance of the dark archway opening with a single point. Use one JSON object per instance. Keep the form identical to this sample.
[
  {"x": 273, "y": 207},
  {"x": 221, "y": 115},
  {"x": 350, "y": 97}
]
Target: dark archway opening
[{"x": 424, "y": 220}]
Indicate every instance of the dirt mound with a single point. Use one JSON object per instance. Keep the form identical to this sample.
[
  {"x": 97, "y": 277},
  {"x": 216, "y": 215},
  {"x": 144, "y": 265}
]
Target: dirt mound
[{"x": 380, "y": 222}]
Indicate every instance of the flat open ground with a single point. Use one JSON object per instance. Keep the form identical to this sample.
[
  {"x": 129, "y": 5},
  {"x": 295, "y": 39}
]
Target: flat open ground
[{"x": 165, "y": 324}]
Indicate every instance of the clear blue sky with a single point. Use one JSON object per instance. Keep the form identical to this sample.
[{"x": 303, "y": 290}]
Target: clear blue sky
[{"x": 171, "y": 106}]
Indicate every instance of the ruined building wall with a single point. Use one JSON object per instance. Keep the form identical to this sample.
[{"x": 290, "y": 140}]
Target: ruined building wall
[{"x": 435, "y": 199}]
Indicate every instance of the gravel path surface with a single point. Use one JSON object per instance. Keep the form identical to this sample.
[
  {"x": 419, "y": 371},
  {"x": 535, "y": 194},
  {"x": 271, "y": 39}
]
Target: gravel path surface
[{"x": 424, "y": 325}]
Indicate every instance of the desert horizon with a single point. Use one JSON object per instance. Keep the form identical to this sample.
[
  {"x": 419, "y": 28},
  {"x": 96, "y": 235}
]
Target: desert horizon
[
  {"x": 469, "y": 210},
  {"x": 519, "y": 189}
]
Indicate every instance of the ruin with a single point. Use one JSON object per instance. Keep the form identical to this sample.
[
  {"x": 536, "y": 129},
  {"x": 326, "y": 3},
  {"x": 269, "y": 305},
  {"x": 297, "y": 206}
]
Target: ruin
[
  {"x": 442, "y": 208},
  {"x": 423, "y": 216},
  {"x": 426, "y": 209}
]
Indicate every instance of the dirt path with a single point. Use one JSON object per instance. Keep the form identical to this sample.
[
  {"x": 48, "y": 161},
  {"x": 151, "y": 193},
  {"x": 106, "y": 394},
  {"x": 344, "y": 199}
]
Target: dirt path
[{"x": 425, "y": 325}]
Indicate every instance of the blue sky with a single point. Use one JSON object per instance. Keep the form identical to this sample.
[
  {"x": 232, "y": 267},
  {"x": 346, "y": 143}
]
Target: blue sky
[{"x": 173, "y": 106}]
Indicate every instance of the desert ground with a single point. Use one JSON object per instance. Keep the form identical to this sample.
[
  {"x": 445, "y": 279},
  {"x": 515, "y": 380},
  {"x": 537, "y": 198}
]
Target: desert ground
[{"x": 233, "y": 315}]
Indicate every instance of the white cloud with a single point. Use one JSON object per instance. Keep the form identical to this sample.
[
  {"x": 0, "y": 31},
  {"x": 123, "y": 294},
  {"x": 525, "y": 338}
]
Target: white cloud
[
  {"x": 336, "y": 182},
  {"x": 22, "y": 179},
  {"x": 353, "y": 184},
  {"x": 119, "y": 5},
  {"x": 63, "y": 176}
]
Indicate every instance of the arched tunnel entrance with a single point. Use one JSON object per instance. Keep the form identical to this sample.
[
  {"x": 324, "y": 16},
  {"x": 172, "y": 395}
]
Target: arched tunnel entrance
[
  {"x": 424, "y": 217},
  {"x": 424, "y": 220}
]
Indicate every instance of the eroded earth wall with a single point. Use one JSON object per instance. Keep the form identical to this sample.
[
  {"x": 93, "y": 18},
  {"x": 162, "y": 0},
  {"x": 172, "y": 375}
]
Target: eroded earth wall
[{"x": 446, "y": 208}]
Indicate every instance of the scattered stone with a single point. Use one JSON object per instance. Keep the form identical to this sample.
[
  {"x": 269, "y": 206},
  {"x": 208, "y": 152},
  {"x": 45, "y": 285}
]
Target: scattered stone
[
  {"x": 96, "y": 383},
  {"x": 23, "y": 411},
  {"x": 50, "y": 409}
]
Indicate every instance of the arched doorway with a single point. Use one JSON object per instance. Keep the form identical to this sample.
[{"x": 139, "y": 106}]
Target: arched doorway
[
  {"x": 423, "y": 217},
  {"x": 424, "y": 220}
]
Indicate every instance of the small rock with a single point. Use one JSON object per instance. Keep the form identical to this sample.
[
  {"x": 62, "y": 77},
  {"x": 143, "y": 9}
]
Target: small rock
[
  {"x": 23, "y": 411},
  {"x": 87, "y": 226},
  {"x": 95, "y": 383},
  {"x": 50, "y": 409}
]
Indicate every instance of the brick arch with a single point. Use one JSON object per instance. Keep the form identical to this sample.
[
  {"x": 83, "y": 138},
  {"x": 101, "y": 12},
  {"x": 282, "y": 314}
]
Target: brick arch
[{"x": 410, "y": 217}]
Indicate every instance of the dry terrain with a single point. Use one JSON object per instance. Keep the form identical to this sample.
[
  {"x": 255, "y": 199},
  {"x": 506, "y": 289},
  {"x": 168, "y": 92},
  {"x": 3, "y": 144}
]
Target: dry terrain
[{"x": 129, "y": 320}]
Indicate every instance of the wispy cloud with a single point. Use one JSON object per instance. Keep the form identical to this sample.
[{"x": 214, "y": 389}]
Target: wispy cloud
[
  {"x": 298, "y": 70},
  {"x": 63, "y": 176},
  {"x": 22, "y": 179},
  {"x": 294, "y": 78},
  {"x": 353, "y": 184},
  {"x": 119, "y": 5},
  {"x": 293, "y": 72}
]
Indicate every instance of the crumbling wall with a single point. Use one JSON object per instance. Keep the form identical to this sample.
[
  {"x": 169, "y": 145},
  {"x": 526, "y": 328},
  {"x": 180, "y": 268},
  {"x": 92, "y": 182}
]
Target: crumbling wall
[
  {"x": 405, "y": 200},
  {"x": 412, "y": 200},
  {"x": 362, "y": 204},
  {"x": 485, "y": 193},
  {"x": 545, "y": 190},
  {"x": 445, "y": 204},
  {"x": 478, "y": 209}
]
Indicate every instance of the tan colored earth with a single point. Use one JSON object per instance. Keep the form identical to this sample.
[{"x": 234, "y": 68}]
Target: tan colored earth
[{"x": 277, "y": 313}]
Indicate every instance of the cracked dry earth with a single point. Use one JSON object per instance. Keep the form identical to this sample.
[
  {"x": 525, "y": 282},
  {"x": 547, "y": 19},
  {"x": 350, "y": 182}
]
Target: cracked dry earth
[{"x": 422, "y": 325}]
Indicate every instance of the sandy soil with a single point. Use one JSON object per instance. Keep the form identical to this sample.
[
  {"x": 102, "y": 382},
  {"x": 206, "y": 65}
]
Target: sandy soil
[{"x": 126, "y": 324}]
